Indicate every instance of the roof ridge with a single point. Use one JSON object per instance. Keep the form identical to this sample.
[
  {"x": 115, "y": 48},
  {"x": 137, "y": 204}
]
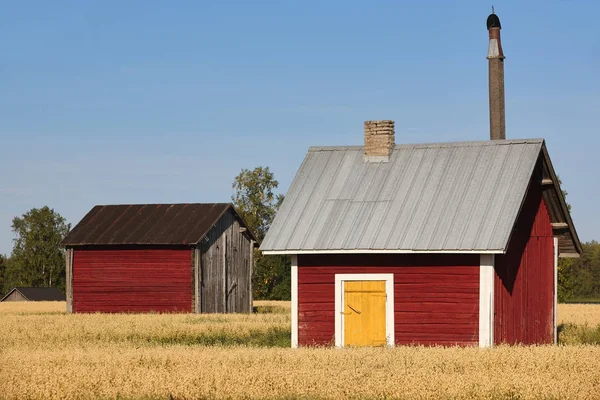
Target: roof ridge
[
  {"x": 159, "y": 204},
  {"x": 467, "y": 143}
]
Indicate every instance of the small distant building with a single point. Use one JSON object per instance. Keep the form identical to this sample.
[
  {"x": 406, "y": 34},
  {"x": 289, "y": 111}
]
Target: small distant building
[
  {"x": 160, "y": 257},
  {"x": 34, "y": 294}
]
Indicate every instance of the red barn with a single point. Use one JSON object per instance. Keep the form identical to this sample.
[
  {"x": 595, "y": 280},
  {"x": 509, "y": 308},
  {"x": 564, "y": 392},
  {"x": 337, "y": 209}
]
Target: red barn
[
  {"x": 445, "y": 243},
  {"x": 160, "y": 257}
]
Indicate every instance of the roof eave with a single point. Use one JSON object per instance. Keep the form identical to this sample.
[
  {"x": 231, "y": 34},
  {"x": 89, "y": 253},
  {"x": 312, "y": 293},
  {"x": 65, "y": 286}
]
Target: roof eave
[
  {"x": 381, "y": 251},
  {"x": 563, "y": 204}
]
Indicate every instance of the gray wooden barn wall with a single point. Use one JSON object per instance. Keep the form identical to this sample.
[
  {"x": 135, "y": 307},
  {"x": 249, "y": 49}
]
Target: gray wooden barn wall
[
  {"x": 15, "y": 296},
  {"x": 225, "y": 270}
]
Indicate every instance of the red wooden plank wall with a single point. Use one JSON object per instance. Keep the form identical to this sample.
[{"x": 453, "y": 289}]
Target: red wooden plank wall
[
  {"x": 524, "y": 283},
  {"x": 436, "y": 297},
  {"x": 138, "y": 280}
]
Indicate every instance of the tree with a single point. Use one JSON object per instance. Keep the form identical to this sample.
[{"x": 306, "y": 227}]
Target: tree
[
  {"x": 2, "y": 273},
  {"x": 36, "y": 259},
  {"x": 255, "y": 201},
  {"x": 9, "y": 278},
  {"x": 564, "y": 193},
  {"x": 566, "y": 280}
]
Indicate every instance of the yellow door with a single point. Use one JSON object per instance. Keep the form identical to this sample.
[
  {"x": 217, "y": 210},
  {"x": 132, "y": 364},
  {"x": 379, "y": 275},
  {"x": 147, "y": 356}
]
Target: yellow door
[{"x": 364, "y": 313}]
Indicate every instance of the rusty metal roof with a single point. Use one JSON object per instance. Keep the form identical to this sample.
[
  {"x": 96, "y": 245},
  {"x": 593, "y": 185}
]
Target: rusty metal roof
[
  {"x": 148, "y": 224},
  {"x": 437, "y": 197}
]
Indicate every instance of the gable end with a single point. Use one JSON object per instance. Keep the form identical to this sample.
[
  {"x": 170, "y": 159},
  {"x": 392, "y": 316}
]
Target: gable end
[{"x": 562, "y": 223}]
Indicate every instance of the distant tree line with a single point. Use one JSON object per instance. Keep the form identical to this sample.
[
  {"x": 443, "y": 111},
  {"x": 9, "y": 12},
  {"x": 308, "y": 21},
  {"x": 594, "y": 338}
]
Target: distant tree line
[
  {"x": 579, "y": 278},
  {"x": 37, "y": 260}
]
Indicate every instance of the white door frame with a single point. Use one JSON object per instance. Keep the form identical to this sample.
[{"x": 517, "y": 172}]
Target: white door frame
[{"x": 339, "y": 304}]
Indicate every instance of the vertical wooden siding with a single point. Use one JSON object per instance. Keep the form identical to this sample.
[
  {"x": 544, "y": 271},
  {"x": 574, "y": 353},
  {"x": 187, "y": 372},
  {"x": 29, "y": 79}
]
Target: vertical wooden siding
[
  {"x": 225, "y": 268},
  {"x": 436, "y": 296},
  {"x": 524, "y": 282},
  {"x": 132, "y": 280}
]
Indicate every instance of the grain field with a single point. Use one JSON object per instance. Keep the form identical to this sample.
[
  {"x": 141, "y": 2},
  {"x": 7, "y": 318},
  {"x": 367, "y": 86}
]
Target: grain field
[{"x": 47, "y": 354}]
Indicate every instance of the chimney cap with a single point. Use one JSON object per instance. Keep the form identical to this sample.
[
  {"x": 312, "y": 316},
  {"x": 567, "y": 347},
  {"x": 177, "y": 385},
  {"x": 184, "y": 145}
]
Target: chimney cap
[{"x": 493, "y": 21}]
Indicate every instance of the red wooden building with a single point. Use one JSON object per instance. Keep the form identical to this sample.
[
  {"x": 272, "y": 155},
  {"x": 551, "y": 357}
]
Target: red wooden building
[
  {"x": 443, "y": 243},
  {"x": 160, "y": 257},
  {"x": 451, "y": 243}
]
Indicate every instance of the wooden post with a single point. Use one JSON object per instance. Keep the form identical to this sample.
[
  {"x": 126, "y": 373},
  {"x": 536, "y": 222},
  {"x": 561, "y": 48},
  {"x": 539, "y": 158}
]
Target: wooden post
[
  {"x": 251, "y": 273},
  {"x": 555, "y": 303},
  {"x": 193, "y": 276},
  {"x": 197, "y": 280},
  {"x": 69, "y": 278},
  {"x": 225, "y": 273}
]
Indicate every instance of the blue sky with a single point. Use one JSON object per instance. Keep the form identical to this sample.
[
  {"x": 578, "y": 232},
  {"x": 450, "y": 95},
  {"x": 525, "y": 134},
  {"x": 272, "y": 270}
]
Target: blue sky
[{"x": 106, "y": 102}]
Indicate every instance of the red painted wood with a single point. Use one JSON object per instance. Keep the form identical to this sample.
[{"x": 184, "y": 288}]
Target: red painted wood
[
  {"x": 524, "y": 282},
  {"x": 139, "y": 280},
  {"x": 436, "y": 297}
]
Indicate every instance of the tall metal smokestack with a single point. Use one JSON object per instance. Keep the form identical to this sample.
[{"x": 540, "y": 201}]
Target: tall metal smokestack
[{"x": 496, "y": 79}]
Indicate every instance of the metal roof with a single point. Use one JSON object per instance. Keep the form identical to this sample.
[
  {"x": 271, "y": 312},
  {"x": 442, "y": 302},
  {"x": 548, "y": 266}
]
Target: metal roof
[
  {"x": 440, "y": 197},
  {"x": 147, "y": 224},
  {"x": 38, "y": 294}
]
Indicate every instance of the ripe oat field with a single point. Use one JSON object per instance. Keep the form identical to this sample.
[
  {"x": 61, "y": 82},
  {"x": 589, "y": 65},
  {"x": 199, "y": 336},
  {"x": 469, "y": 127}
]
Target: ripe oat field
[{"x": 48, "y": 354}]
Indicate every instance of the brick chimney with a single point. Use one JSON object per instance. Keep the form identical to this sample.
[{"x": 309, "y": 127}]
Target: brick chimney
[
  {"x": 379, "y": 140},
  {"x": 496, "y": 79}
]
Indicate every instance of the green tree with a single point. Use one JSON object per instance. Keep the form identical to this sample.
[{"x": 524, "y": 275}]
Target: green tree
[
  {"x": 255, "y": 200},
  {"x": 579, "y": 278},
  {"x": 566, "y": 279},
  {"x": 564, "y": 193},
  {"x": 566, "y": 268},
  {"x": 9, "y": 275},
  {"x": 36, "y": 259},
  {"x": 2, "y": 273}
]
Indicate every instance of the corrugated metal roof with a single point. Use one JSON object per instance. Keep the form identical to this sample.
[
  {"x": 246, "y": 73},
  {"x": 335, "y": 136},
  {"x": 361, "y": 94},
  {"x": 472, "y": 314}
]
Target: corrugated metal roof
[
  {"x": 462, "y": 196},
  {"x": 147, "y": 224}
]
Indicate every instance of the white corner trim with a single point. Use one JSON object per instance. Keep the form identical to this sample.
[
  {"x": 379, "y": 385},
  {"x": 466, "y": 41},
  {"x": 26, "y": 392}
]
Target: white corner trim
[
  {"x": 555, "y": 322},
  {"x": 294, "y": 301},
  {"x": 339, "y": 304},
  {"x": 486, "y": 300}
]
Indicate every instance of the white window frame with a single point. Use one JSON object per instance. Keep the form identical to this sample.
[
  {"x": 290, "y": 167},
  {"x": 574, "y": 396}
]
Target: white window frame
[{"x": 339, "y": 304}]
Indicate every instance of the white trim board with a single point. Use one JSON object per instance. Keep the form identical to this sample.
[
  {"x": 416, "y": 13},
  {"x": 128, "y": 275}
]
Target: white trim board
[
  {"x": 486, "y": 300},
  {"x": 555, "y": 302},
  {"x": 294, "y": 301},
  {"x": 339, "y": 303},
  {"x": 371, "y": 251}
]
